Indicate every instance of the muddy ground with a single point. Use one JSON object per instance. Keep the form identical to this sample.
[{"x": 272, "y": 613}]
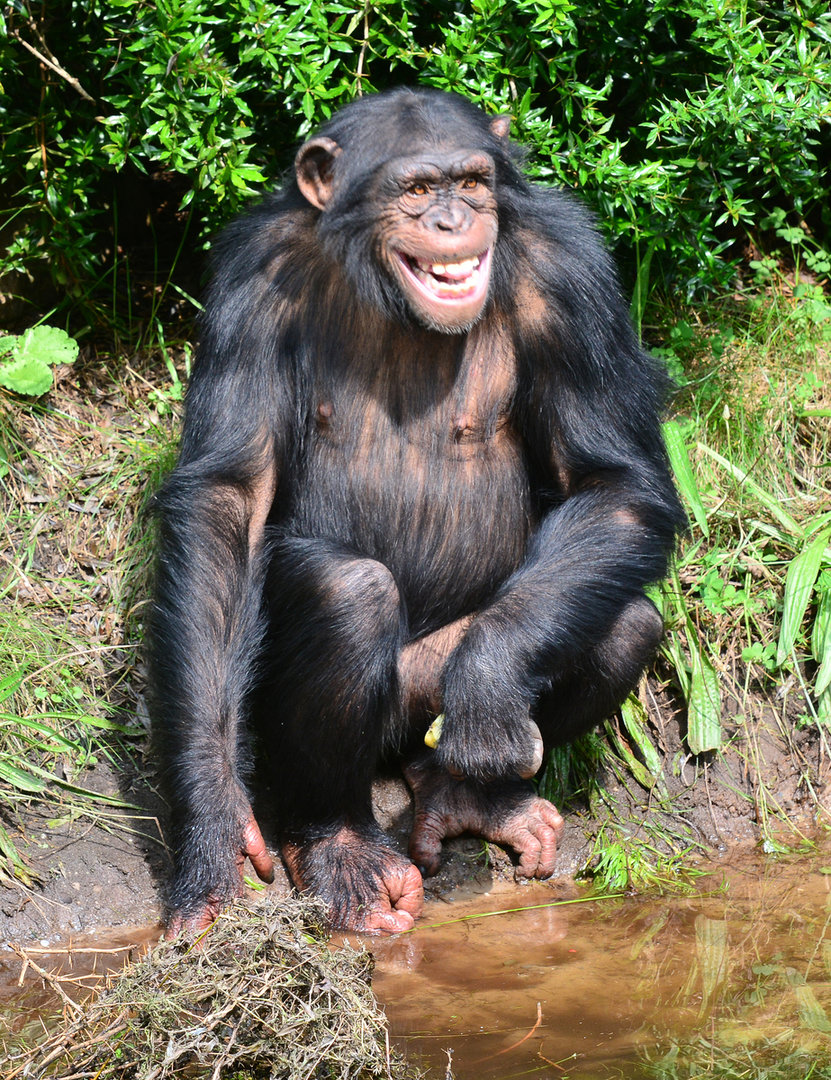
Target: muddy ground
[{"x": 93, "y": 877}]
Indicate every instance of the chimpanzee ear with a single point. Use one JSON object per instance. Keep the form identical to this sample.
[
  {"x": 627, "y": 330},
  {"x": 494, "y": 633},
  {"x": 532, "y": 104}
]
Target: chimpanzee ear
[
  {"x": 501, "y": 126},
  {"x": 313, "y": 166}
]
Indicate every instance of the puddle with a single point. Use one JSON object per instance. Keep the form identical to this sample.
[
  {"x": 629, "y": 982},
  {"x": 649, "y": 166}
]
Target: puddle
[
  {"x": 587, "y": 989},
  {"x": 28, "y": 996},
  {"x": 591, "y": 989}
]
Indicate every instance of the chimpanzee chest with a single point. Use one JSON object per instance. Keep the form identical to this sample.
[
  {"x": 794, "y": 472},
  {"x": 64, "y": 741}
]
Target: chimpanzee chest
[{"x": 436, "y": 490}]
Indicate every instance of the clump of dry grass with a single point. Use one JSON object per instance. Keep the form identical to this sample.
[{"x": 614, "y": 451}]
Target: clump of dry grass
[{"x": 261, "y": 995}]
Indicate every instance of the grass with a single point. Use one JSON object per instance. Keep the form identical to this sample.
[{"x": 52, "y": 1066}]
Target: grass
[{"x": 75, "y": 473}]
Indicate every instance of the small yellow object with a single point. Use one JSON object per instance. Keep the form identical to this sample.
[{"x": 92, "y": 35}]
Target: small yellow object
[{"x": 433, "y": 735}]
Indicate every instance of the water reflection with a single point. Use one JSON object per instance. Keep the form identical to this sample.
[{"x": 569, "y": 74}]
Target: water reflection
[{"x": 619, "y": 983}]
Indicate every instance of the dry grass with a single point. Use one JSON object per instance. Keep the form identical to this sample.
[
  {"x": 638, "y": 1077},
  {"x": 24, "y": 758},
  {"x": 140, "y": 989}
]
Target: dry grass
[{"x": 260, "y": 996}]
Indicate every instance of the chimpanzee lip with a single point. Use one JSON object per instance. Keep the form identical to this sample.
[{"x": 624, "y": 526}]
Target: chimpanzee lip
[{"x": 448, "y": 281}]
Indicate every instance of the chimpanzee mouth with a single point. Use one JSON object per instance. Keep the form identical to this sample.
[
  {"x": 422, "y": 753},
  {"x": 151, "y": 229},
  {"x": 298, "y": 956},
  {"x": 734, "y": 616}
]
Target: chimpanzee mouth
[{"x": 462, "y": 280}]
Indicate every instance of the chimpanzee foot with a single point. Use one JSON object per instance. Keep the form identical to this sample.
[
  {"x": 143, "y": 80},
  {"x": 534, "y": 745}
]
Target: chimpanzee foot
[
  {"x": 506, "y": 812},
  {"x": 252, "y": 846},
  {"x": 365, "y": 885}
]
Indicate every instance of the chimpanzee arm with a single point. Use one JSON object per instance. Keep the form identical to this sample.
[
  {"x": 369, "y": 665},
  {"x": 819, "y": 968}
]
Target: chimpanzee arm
[
  {"x": 206, "y": 635},
  {"x": 589, "y": 413},
  {"x": 207, "y": 623}
]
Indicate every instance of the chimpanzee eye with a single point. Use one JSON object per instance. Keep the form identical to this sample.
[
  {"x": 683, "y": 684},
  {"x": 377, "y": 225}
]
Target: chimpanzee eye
[
  {"x": 470, "y": 183},
  {"x": 418, "y": 189}
]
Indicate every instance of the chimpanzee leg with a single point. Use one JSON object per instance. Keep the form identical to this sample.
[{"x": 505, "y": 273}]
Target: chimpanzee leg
[
  {"x": 336, "y": 630},
  {"x": 507, "y": 811},
  {"x": 590, "y": 694}
]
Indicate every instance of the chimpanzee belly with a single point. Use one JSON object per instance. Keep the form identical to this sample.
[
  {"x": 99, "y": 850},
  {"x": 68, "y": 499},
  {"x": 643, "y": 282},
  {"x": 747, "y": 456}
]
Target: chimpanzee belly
[{"x": 448, "y": 512}]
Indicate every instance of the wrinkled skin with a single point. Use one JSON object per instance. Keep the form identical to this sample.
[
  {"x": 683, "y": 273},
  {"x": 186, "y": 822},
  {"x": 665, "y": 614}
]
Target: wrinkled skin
[
  {"x": 506, "y": 812},
  {"x": 365, "y": 885}
]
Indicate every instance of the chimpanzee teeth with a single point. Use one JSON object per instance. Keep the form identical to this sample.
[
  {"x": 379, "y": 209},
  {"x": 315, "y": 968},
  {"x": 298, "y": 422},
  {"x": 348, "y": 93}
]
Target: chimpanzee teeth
[
  {"x": 459, "y": 269},
  {"x": 455, "y": 270},
  {"x": 448, "y": 280},
  {"x": 447, "y": 287}
]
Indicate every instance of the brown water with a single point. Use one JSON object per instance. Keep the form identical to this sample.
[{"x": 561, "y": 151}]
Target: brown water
[
  {"x": 585, "y": 989},
  {"x": 589, "y": 989}
]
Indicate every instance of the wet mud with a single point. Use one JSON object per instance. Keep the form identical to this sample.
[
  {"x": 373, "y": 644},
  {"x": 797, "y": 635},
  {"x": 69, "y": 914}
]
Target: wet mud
[{"x": 501, "y": 981}]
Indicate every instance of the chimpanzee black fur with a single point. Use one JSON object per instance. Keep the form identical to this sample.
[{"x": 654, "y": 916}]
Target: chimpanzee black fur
[{"x": 421, "y": 472}]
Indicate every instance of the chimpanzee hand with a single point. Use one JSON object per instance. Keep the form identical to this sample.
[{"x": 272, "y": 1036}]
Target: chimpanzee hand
[
  {"x": 487, "y": 731},
  {"x": 195, "y": 918}
]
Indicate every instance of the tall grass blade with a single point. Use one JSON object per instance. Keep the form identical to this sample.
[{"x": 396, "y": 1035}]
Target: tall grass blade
[
  {"x": 799, "y": 583},
  {"x": 764, "y": 497},
  {"x": 704, "y": 703},
  {"x": 679, "y": 459},
  {"x": 821, "y": 634},
  {"x": 16, "y": 869}
]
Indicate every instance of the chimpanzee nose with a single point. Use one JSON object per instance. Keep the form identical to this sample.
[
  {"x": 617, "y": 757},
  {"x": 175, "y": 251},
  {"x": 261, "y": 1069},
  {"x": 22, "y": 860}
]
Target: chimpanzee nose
[{"x": 447, "y": 219}]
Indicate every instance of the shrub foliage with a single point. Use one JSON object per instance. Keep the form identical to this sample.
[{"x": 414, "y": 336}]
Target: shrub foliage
[{"x": 685, "y": 123}]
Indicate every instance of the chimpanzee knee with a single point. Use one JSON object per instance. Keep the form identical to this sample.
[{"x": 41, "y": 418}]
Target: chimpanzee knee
[
  {"x": 605, "y": 678},
  {"x": 336, "y": 624}
]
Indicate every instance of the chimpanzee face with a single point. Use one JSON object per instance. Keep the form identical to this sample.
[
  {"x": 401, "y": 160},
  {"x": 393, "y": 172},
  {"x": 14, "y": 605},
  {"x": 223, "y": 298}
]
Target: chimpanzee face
[
  {"x": 433, "y": 226},
  {"x": 436, "y": 234}
]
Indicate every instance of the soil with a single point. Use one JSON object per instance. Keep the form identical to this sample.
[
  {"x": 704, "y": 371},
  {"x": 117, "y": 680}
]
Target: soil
[{"x": 96, "y": 878}]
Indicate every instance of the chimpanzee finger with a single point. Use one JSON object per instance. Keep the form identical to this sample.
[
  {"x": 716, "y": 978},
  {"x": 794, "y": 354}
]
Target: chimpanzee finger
[{"x": 254, "y": 847}]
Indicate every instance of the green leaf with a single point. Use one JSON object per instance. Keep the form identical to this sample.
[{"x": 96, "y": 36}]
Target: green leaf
[
  {"x": 821, "y": 634},
  {"x": 27, "y": 371},
  {"x": 703, "y": 704},
  {"x": 48, "y": 345},
  {"x": 682, "y": 469},
  {"x": 635, "y": 720},
  {"x": 26, "y": 376},
  {"x": 799, "y": 583},
  {"x": 20, "y": 779}
]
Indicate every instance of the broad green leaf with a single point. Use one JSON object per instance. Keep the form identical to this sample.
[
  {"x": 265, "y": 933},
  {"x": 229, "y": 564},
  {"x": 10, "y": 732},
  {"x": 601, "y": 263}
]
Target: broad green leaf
[
  {"x": 703, "y": 704},
  {"x": 26, "y": 376},
  {"x": 682, "y": 469},
  {"x": 48, "y": 345},
  {"x": 713, "y": 956},
  {"x": 636, "y": 767},
  {"x": 20, "y": 779},
  {"x": 799, "y": 582},
  {"x": 635, "y": 720}
]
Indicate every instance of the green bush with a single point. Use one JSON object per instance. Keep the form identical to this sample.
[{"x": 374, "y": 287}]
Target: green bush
[{"x": 685, "y": 124}]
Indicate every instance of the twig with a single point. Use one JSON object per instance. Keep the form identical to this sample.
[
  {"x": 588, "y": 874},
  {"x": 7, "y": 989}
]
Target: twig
[
  {"x": 54, "y": 983},
  {"x": 519, "y": 1042},
  {"x": 359, "y": 74},
  {"x": 55, "y": 66},
  {"x": 554, "y": 1064}
]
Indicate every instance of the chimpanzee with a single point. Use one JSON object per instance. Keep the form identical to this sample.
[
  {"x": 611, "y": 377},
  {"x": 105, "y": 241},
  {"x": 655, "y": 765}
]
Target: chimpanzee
[{"x": 421, "y": 473}]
